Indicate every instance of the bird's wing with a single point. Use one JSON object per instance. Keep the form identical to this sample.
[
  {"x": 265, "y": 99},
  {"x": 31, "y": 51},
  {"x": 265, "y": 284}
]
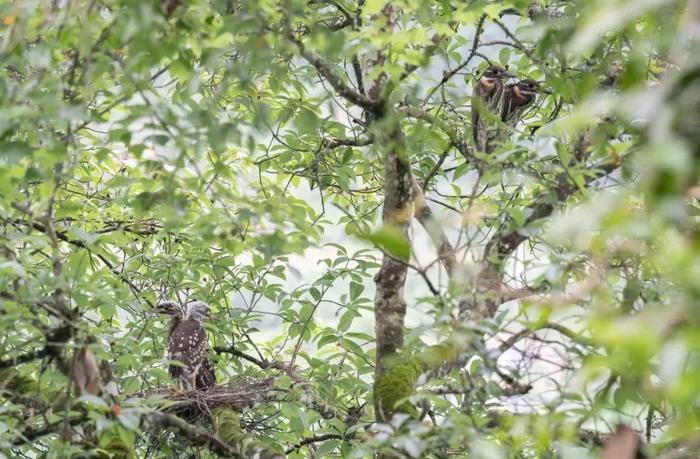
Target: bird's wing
[
  {"x": 186, "y": 344},
  {"x": 475, "y": 118},
  {"x": 477, "y": 105},
  {"x": 487, "y": 101},
  {"x": 205, "y": 376},
  {"x": 176, "y": 321},
  {"x": 507, "y": 105}
]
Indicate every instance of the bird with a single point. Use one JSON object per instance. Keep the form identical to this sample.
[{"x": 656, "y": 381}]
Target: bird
[
  {"x": 518, "y": 97},
  {"x": 173, "y": 310},
  {"x": 487, "y": 97},
  {"x": 187, "y": 343}
]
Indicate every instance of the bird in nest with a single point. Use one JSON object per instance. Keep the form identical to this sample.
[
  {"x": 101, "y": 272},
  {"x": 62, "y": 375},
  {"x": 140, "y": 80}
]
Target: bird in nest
[{"x": 187, "y": 344}]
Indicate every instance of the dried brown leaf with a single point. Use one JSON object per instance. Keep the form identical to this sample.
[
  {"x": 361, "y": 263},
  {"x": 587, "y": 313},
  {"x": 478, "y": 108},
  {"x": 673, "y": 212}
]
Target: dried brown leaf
[
  {"x": 623, "y": 444},
  {"x": 86, "y": 373}
]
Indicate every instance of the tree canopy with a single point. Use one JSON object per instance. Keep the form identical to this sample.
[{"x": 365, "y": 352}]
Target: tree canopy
[{"x": 397, "y": 262}]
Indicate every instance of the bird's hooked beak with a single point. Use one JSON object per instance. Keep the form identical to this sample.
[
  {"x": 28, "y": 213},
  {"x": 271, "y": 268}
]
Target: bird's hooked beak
[
  {"x": 537, "y": 89},
  {"x": 156, "y": 311},
  {"x": 544, "y": 90},
  {"x": 541, "y": 88},
  {"x": 502, "y": 75},
  {"x": 164, "y": 308}
]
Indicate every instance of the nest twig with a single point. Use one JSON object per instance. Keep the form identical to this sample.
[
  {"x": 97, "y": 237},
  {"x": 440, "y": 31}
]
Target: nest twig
[{"x": 238, "y": 394}]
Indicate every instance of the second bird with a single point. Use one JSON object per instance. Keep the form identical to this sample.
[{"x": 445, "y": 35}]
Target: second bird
[
  {"x": 517, "y": 98},
  {"x": 488, "y": 97}
]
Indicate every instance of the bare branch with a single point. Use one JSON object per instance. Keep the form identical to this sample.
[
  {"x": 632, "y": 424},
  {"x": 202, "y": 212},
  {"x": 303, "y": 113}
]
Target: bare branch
[
  {"x": 446, "y": 253},
  {"x": 31, "y": 434},
  {"x": 78, "y": 243},
  {"x": 454, "y": 137},
  {"x": 193, "y": 434},
  {"x": 569, "y": 333},
  {"x": 325, "y": 70},
  {"x": 314, "y": 439},
  {"x": 448, "y": 75}
]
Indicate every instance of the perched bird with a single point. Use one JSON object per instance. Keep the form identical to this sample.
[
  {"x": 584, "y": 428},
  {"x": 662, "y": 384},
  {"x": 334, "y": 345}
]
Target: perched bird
[
  {"x": 173, "y": 310},
  {"x": 488, "y": 96},
  {"x": 517, "y": 98},
  {"x": 187, "y": 343}
]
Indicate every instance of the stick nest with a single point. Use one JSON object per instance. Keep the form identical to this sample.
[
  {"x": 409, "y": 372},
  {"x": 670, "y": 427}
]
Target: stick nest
[{"x": 239, "y": 394}]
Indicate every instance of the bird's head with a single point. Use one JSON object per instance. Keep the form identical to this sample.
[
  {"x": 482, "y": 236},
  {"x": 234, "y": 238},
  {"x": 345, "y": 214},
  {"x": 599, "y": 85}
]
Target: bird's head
[
  {"x": 198, "y": 311},
  {"x": 529, "y": 87},
  {"x": 494, "y": 74},
  {"x": 169, "y": 308}
]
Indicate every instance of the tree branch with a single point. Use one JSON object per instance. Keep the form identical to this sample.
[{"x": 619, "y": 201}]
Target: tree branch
[
  {"x": 448, "y": 75},
  {"x": 454, "y": 137},
  {"x": 30, "y": 434},
  {"x": 193, "y": 434},
  {"x": 561, "y": 329},
  {"x": 325, "y": 70},
  {"x": 262, "y": 364},
  {"x": 504, "y": 242},
  {"x": 314, "y": 439},
  {"x": 24, "y": 358},
  {"x": 78, "y": 243},
  {"x": 518, "y": 44},
  {"x": 446, "y": 253}
]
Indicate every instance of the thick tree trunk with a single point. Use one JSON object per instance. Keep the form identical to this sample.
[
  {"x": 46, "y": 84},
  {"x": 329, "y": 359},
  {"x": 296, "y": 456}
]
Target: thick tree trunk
[{"x": 389, "y": 303}]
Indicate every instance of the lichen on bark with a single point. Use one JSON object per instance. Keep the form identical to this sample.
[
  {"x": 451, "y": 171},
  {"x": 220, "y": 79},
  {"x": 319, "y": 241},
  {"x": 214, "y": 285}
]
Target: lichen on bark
[
  {"x": 227, "y": 422},
  {"x": 398, "y": 381},
  {"x": 395, "y": 385}
]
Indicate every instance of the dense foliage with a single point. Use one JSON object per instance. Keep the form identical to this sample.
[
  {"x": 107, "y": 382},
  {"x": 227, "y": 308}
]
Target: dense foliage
[{"x": 381, "y": 282}]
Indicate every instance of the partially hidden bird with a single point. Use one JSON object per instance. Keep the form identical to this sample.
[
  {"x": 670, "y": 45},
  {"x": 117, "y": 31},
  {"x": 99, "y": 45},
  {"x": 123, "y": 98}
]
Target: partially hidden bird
[
  {"x": 487, "y": 97},
  {"x": 174, "y": 311},
  {"x": 187, "y": 343},
  {"x": 518, "y": 97}
]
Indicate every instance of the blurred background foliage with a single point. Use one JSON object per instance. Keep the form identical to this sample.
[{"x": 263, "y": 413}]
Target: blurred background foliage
[{"x": 167, "y": 149}]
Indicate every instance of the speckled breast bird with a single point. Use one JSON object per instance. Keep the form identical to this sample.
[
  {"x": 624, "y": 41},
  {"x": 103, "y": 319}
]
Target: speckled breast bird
[
  {"x": 517, "y": 98},
  {"x": 487, "y": 96},
  {"x": 188, "y": 344}
]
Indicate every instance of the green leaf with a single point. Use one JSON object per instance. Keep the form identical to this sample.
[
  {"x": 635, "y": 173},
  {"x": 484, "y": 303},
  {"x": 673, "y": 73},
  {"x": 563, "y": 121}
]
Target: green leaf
[
  {"x": 356, "y": 290},
  {"x": 391, "y": 240},
  {"x": 327, "y": 447},
  {"x": 77, "y": 264},
  {"x": 346, "y": 320},
  {"x": 13, "y": 152},
  {"x": 327, "y": 339}
]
